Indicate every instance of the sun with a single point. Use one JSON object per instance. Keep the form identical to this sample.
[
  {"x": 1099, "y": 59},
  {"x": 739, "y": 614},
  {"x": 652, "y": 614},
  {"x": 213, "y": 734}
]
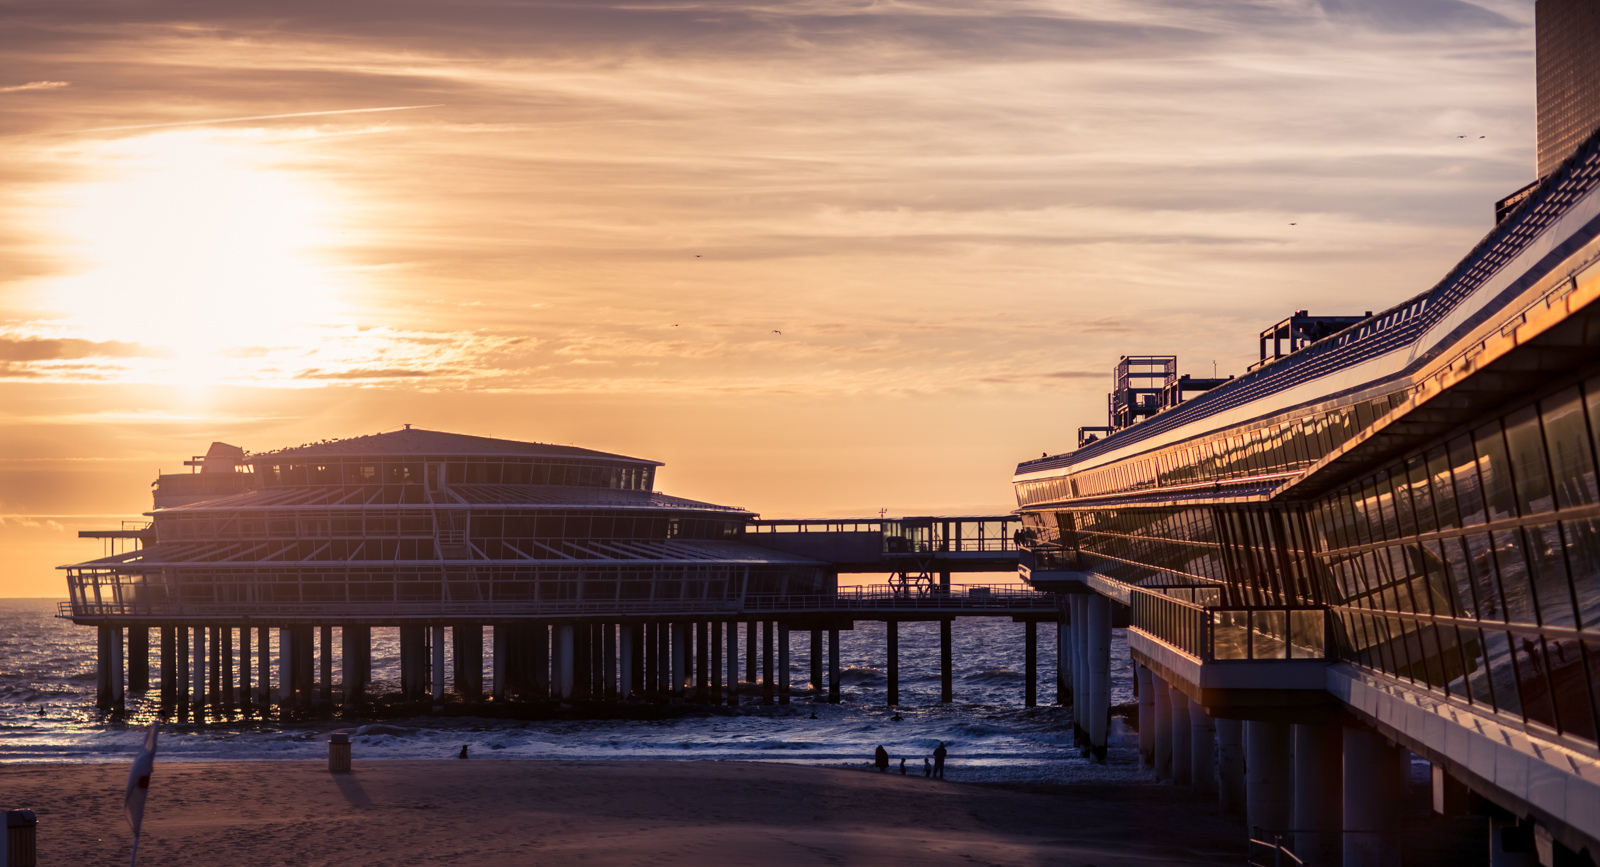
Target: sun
[{"x": 207, "y": 246}]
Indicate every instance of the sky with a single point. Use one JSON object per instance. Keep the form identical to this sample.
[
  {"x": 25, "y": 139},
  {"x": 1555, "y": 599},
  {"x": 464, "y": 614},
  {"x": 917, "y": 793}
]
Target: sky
[{"x": 820, "y": 258}]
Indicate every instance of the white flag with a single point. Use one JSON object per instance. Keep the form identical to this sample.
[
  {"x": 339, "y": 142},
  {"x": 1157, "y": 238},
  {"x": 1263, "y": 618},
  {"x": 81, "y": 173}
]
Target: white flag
[{"x": 139, "y": 787}]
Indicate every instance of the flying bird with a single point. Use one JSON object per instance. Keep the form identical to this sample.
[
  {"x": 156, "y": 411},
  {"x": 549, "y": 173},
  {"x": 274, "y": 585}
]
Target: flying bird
[
  {"x": 776, "y": 331},
  {"x": 1294, "y": 224}
]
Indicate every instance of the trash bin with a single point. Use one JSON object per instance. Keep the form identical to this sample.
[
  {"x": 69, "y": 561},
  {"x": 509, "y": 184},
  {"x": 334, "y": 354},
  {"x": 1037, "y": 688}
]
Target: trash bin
[
  {"x": 339, "y": 752},
  {"x": 21, "y": 840}
]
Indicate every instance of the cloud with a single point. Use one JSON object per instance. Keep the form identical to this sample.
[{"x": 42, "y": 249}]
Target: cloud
[
  {"x": 28, "y": 349},
  {"x": 362, "y": 373},
  {"x": 35, "y": 85}
]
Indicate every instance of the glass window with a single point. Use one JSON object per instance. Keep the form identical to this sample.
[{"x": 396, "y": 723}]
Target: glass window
[
  {"x": 1471, "y": 684},
  {"x": 1567, "y": 441},
  {"x": 1384, "y": 499},
  {"x": 1495, "y": 467},
  {"x": 1532, "y": 679},
  {"x": 1569, "y": 684},
  {"x": 1547, "y": 565},
  {"x": 1469, "y": 487},
  {"x": 1530, "y": 471},
  {"x": 1502, "y": 677},
  {"x": 1444, "y": 496},
  {"x": 1486, "y": 587},
  {"x": 1421, "y": 494},
  {"x": 1455, "y": 556},
  {"x": 1405, "y": 516},
  {"x": 1515, "y": 588},
  {"x": 1583, "y": 559}
]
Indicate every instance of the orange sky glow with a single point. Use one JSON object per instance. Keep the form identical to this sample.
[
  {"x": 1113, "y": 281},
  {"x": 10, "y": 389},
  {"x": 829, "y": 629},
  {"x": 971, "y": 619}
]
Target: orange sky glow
[{"x": 821, "y": 258}]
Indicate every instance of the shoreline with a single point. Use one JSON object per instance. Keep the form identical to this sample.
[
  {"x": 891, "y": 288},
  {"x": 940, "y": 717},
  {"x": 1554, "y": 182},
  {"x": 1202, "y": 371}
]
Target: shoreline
[{"x": 488, "y": 810}]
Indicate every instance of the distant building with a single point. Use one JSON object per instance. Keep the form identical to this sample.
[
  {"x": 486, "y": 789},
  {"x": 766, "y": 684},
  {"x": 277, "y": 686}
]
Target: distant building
[{"x": 1569, "y": 77}]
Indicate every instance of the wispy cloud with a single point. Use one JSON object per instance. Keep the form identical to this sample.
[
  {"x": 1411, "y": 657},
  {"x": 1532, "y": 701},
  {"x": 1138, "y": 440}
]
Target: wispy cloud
[
  {"x": 35, "y": 85},
  {"x": 222, "y": 120}
]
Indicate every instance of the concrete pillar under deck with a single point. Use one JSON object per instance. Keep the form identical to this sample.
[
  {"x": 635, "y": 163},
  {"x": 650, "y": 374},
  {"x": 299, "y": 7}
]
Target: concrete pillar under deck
[
  {"x": 1161, "y": 701},
  {"x": 1080, "y": 679},
  {"x": 1230, "y": 766},
  {"x": 214, "y": 670},
  {"x": 1318, "y": 794},
  {"x": 349, "y": 657},
  {"x": 1099, "y": 650},
  {"x": 608, "y": 662},
  {"x": 139, "y": 658},
  {"x": 1147, "y": 717},
  {"x": 893, "y": 628},
  {"x": 733, "y": 663},
  {"x": 564, "y": 666},
  {"x": 264, "y": 667},
  {"x": 118, "y": 667},
  {"x": 752, "y": 651},
  {"x": 647, "y": 659},
  {"x": 625, "y": 662},
  {"x": 1030, "y": 666},
  {"x": 1202, "y": 750},
  {"x": 946, "y": 663},
  {"x": 102, "y": 691},
  {"x": 1374, "y": 779},
  {"x": 468, "y": 643},
  {"x": 701, "y": 653},
  {"x": 225, "y": 656},
  {"x": 816, "y": 664},
  {"x": 1182, "y": 743},
  {"x": 680, "y": 660},
  {"x": 714, "y": 664},
  {"x": 286, "y": 684},
  {"x": 1269, "y": 778},
  {"x": 180, "y": 665},
  {"x": 169, "y": 656},
  {"x": 833, "y": 666},
  {"x": 1063, "y": 661},
  {"x": 783, "y": 663},
  {"x": 325, "y": 642},
  {"x": 766, "y": 662},
  {"x": 247, "y": 696},
  {"x": 197, "y": 649}
]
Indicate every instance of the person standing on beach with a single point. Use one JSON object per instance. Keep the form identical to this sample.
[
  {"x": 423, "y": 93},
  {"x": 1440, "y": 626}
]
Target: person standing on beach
[
  {"x": 902, "y": 766},
  {"x": 881, "y": 759},
  {"x": 938, "y": 760},
  {"x": 927, "y": 769}
]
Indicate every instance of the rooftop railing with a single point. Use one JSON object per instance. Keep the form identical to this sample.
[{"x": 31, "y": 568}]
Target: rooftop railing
[{"x": 1225, "y": 633}]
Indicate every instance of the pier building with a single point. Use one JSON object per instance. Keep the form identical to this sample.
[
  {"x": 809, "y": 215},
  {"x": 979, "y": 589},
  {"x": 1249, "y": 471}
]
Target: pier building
[
  {"x": 1383, "y": 542},
  {"x": 260, "y": 570}
]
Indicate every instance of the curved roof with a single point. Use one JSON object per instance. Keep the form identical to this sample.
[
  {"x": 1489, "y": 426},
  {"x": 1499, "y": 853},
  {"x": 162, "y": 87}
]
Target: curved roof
[{"x": 416, "y": 442}]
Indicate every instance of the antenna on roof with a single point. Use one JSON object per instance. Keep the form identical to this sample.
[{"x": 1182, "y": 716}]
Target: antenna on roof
[{"x": 408, "y": 427}]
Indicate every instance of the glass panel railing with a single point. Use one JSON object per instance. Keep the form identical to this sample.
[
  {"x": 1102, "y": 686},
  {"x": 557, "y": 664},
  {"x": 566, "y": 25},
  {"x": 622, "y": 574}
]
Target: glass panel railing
[
  {"x": 1308, "y": 634},
  {"x": 1267, "y": 629},
  {"x": 1230, "y": 635}
]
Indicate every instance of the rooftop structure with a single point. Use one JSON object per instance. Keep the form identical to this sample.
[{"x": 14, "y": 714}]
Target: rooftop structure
[
  {"x": 1395, "y": 524},
  {"x": 1568, "y": 77}
]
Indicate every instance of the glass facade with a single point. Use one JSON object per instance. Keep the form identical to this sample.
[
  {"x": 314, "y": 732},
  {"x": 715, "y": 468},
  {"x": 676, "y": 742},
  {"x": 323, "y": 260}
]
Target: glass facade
[{"x": 1469, "y": 566}]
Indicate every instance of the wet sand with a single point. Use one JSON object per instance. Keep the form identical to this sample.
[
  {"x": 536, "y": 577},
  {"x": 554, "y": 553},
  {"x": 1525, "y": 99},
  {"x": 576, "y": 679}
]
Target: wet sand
[{"x": 482, "y": 811}]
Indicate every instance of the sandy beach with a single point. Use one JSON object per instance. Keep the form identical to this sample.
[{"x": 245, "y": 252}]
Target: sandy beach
[{"x": 482, "y": 811}]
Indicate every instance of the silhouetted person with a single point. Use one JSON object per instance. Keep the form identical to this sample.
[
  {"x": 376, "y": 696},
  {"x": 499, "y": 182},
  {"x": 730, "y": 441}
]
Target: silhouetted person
[
  {"x": 902, "y": 767},
  {"x": 881, "y": 758},
  {"x": 927, "y": 768},
  {"x": 938, "y": 760},
  {"x": 813, "y": 714},
  {"x": 463, "y": 752},
  {"x": 897, "y": 717}
]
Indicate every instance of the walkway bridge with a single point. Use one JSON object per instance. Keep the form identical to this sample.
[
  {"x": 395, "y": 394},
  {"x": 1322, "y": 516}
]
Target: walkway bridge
[{"x": 918, "y": 553}]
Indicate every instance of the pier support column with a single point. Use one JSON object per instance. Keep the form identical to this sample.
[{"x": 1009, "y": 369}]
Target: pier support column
[
  {"x": 264, "y": 667},
  {"x": 181, "y": 667},
  {"x": 636, "y": 687},
  {"x": 1161, "y": 704},
  {"x": 1319, "y": 794},
  {"x": 766, "y": 662},
  {"x": 1374, "y": 779},
  {"x": 225, "y": 656},
  {"x": 197, "y": 649},
  {"x": 412, "y": 639},
  {"x": 702, "y": 655},
  {"x": 1182, "y": 742},
  {"x": 469, "y": 660},
  {"x": 752, "y": 653},
  {"x": 1269, "y": 778},
  {"x": 947, "y": 692},
  {"x": 625, "y": 661},
  {"x": 1202, "y": 750},
  {"x": 1065, "y": 663},
  {"x": 816, "y": 665},
  {"x": 118, "y": 669},
  {"x": 783, "y": 663},
  {"x": 349, "y": 664},
  {"x": 325, "y": 693},
  {"x": 1230, "y": 767},
  {"x": 214, "y": 671},
  {"x": 892, "y": 627},
  {"x": 608, "y": 662},
  {"x": 103, "y": 663},
  {"x": 139, "y": 659},
  {"x": 1082, "y": 690},
  {"x": 169, "y": 658},
  {"x": 733, "y": 663},
  {"x": 651, "y": 665},
  {"x": 1147, "y": 717},
  {"x": 833, "y": 666},
  {"x": 563, "y": 651},
  {"x": 1030, "y": 664},
  {"x": 537, "y": 653},
  {"x": 246, "y": 696},
  {"x": 680, "y": 660},
  {"x": 714, "y": 666},
  {"x": 1099, "y": 648}
]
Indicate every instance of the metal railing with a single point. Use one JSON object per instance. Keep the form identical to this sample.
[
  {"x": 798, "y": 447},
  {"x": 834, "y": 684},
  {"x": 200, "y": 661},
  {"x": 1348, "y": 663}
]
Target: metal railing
[
  {"x": 998, "y": 599},
  {"x": 1231, "y": 633}
]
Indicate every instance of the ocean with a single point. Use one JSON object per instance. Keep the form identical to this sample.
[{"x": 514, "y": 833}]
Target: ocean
[{"x": 48, "y": 714}]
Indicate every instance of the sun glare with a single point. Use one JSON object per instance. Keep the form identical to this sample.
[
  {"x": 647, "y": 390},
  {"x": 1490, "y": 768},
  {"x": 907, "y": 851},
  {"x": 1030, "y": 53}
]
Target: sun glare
[{"x": 202, "y": 245}]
